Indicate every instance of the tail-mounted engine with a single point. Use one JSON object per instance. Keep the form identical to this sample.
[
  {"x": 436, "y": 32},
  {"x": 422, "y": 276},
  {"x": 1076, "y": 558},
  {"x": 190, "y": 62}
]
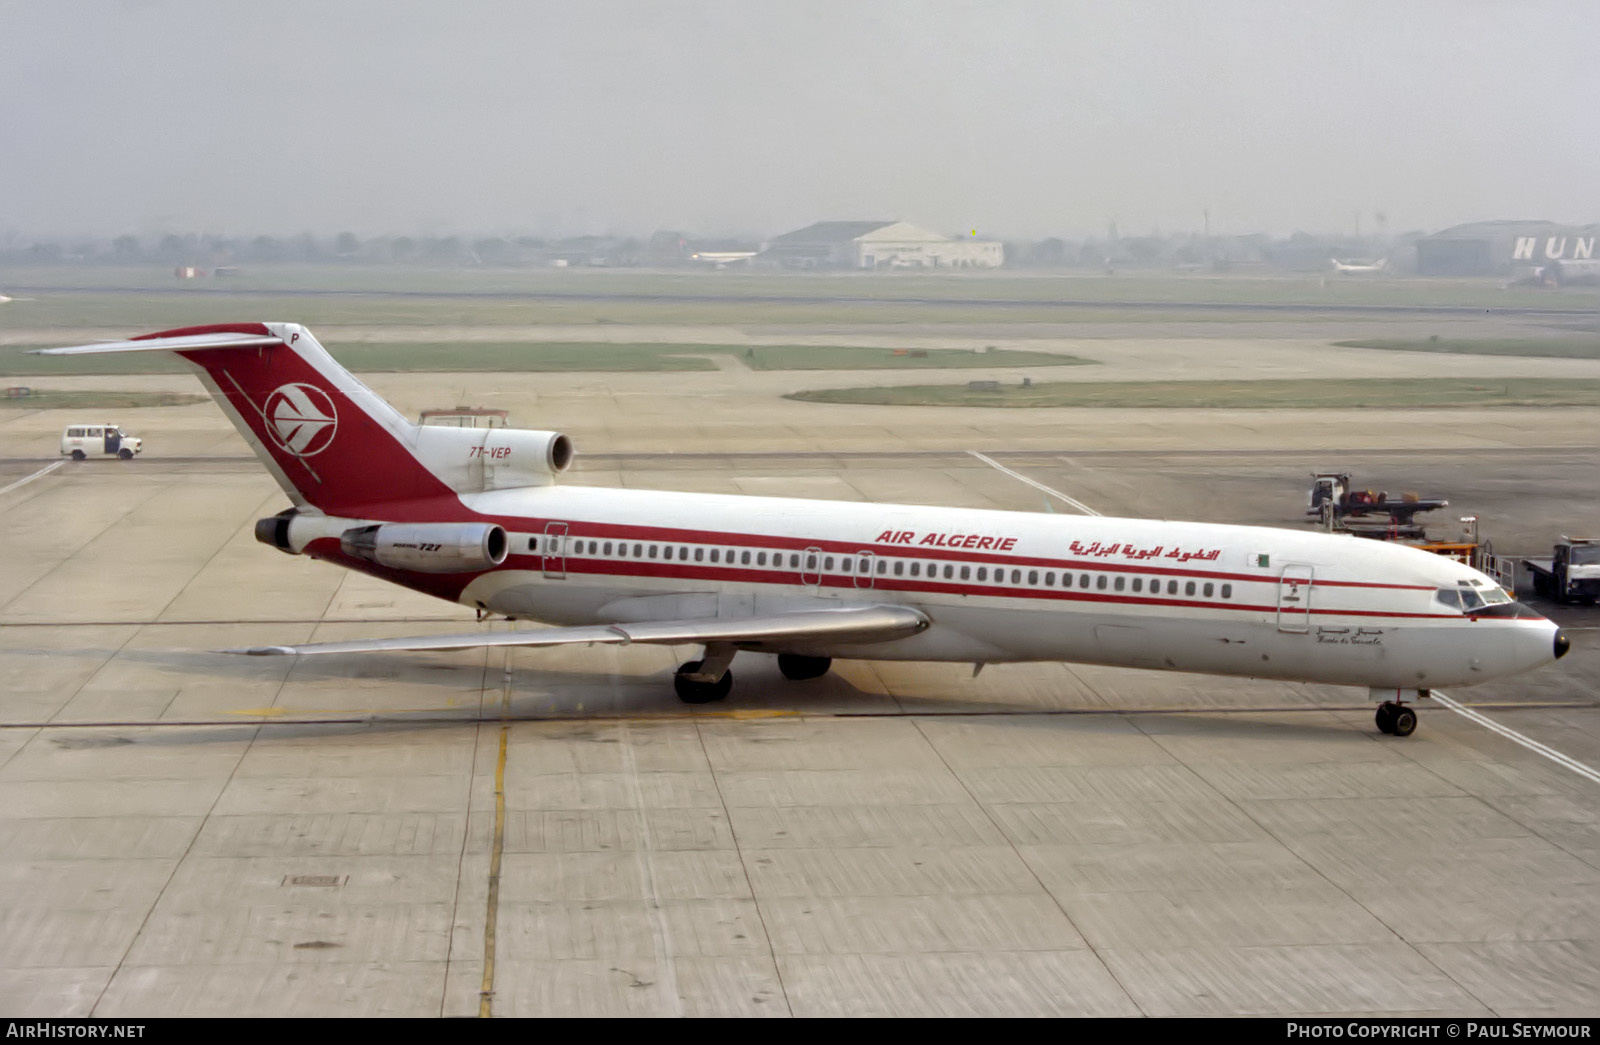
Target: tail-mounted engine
[
  {"x": 472, "y": 460},
  {"x": 428, "y": 547},
  {"x": 423, "y": 547},
  {"x": 275, "y": 531}
]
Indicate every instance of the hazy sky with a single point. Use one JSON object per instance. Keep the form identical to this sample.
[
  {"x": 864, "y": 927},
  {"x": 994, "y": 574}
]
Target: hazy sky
[{"x": 1019, "y": 119}]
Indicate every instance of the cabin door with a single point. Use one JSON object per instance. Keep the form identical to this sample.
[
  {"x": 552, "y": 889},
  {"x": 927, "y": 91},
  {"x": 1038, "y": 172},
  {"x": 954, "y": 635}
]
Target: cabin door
[
  {"x": 555, "y": 551},
  {"x": 1294, "y": 599}
]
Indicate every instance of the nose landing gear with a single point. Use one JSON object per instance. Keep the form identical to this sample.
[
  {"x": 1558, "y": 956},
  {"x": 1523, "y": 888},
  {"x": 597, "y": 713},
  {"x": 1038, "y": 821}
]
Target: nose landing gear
[{"x": 1396, "y": 719}]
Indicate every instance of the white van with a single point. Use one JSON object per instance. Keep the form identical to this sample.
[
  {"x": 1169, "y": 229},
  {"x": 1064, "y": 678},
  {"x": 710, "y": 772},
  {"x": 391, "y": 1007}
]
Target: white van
[{"x": 99, "y": 440}]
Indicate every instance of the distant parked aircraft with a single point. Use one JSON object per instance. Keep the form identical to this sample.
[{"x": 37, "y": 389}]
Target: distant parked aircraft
[
  {"x": 1356, "y": 266},
  {"x": 722, "y": 258}
]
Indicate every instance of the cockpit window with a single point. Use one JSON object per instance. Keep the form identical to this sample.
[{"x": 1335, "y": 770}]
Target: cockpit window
[
  {"x": 1586, "y": 555},
  {"x": 1469, "y": 599}
]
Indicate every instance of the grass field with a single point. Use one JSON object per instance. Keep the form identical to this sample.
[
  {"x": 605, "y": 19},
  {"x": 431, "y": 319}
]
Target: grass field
[
  {"x": 844, "y": 357},
  {"x": 124, "y": 314},
  {"x": 548, "y": 357},
  {"x": 1244, "y": 287},
  {"x": 98, "y": 399},
  {"x": 1581, "y": 347},
  {"x": 150, "y": 298},
  {"x": 1297, "y": 394}
]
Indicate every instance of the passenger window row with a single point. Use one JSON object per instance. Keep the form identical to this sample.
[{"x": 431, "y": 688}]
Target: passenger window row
[{"x": 863, "y": 564}]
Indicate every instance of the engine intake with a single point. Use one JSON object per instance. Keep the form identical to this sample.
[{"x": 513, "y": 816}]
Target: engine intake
[
  {"x": 475, "y": 460},
  {"x": 428, "y": 547}
]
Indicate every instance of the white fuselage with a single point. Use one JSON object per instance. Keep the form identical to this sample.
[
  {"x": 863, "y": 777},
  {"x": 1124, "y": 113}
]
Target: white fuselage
[{"x": 1005, "y": 586}]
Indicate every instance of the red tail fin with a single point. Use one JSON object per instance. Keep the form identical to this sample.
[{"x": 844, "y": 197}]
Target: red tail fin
[{"x": 330, "y": 441}]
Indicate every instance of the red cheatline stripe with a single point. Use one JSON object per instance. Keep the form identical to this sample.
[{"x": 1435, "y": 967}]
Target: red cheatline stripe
[{"x": 706, "y": 572}]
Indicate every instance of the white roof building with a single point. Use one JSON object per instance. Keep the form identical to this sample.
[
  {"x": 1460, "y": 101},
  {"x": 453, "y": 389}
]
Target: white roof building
[{"x": 878, "y": 244}]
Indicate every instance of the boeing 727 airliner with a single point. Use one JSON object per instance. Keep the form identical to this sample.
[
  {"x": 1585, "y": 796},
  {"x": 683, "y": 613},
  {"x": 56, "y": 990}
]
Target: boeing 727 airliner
[{"x": 477, "y": 517}]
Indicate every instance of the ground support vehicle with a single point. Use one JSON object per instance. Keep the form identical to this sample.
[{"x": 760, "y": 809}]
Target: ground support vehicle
[
  {"x": 99, "y": 440},
  {"x": 1571, "y": 573}
]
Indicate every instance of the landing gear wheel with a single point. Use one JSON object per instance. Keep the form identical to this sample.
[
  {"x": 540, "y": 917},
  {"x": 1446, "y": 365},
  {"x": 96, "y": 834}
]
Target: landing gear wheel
[
  {"x": 796, "y": 668},
  {"x": 1396, "y": 719},
  {"x": 126, "y": 455},
  {"x": 78, "y": 455},
  {"x": 691, "y": 692}
]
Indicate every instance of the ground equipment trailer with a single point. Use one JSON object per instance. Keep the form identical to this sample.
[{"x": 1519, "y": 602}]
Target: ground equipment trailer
[{"x": 1366, "y": 513}]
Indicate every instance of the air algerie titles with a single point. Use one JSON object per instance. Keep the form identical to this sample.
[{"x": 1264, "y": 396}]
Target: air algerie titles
[
  {"x": 947, "y": 540},
  {"x": 1095, "y": 549}
]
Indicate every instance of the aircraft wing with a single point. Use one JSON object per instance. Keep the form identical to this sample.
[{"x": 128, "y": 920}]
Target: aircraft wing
[{"x": 803, "y": 628}]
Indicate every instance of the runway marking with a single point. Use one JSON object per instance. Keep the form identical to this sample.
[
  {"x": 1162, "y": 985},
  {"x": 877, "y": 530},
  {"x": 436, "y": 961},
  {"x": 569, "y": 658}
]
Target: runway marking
[
  {"x": 491, "y": 914},
  {"x": 644, "y": 861},
  {"x": 992, "y": 463},
  {"x": 492, "y": 907},
  {"x": 278, "y": 712},
  {"x": 577, "y": 714},
  {"x": 46, "y": 470},
  {"x": 1587, "y": 772},
  {"x": 374, "y": 719}
]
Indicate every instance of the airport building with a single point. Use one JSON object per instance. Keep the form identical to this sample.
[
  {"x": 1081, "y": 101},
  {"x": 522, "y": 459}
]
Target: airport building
[
  {"x": 878, "y": 244},
  {"x": 1503, "y": 248}
]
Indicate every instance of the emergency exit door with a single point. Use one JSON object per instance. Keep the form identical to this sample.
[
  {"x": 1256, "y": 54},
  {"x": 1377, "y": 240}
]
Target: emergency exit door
[
  {"x": 555, "y": 551},
  {"x": 1294, "y": 599}
]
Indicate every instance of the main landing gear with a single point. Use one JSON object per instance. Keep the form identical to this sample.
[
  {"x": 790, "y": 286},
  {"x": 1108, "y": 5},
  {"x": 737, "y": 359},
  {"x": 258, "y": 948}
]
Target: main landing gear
[
  {"x": 708, "y": 679},
  {"x": 691, "y": 689},
  {"x": 1396, "y": 719},
  {"x": 796, "y": 668}
]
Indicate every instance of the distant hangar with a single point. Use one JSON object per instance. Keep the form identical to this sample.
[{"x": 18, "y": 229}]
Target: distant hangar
[
  {"x": 1500, "y": 248},
  {"x": 878, "y": 244}
]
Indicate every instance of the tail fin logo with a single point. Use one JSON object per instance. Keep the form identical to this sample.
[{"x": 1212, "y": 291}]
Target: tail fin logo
[{"x": 301, "y": 419}]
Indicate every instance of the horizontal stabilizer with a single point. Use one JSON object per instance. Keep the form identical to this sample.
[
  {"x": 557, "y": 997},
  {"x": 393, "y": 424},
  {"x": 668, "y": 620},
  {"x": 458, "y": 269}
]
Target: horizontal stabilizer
[
  {"x": 805, "y": 628},
  {"x": 330, "y": 441},
  {"x": 165, "y": 344}
]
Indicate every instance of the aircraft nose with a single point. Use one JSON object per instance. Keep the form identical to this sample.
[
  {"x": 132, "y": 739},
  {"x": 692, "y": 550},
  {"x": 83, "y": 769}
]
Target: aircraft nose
[{"x": 1563, "y": 644}]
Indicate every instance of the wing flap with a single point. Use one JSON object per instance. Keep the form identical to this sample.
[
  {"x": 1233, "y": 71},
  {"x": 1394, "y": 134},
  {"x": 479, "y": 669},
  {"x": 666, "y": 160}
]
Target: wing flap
[{"x": 806, "y": 627}]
